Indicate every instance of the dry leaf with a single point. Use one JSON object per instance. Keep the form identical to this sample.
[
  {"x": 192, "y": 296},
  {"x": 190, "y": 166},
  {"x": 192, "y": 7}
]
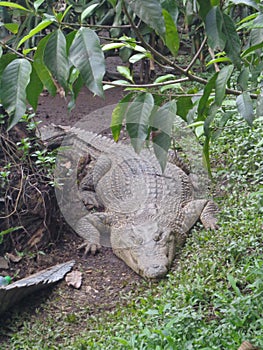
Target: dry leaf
[
  {"x": 74, "y": 279},
  {"x": 246, "y": 345},
  {"x": 13, "y": 258},
  {"x": 3, "y": 264}
]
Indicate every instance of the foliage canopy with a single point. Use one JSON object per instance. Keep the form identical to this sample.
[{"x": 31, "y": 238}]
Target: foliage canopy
[{"x": 60, "y": 46}]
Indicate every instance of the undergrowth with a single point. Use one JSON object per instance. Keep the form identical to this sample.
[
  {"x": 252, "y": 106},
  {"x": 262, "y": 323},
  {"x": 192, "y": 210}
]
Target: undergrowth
[{"x": 213, "y": 298}]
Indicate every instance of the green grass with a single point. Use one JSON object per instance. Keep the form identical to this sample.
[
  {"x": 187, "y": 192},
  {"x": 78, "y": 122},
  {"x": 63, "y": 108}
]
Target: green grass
[{"x": 214, "y": 297}]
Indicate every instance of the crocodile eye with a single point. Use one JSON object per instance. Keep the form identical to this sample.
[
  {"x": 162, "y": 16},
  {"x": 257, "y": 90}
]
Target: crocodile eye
[{"x": 158, "y": 236}]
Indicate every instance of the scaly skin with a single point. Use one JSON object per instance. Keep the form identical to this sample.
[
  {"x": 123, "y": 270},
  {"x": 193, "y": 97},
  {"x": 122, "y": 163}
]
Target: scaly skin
[{"x": 146, "y": 213}]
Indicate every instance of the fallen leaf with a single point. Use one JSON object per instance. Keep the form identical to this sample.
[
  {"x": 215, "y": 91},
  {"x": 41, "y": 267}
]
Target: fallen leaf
[
  {"x": 246, "y": 345},
  {"x": 74, "y": 279},
  {"x": 3, "y": 263},
  {"x": 13, "y": 258}
]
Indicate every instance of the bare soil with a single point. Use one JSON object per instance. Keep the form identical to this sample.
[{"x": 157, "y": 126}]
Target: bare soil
[{"x": 104, "y": 277}]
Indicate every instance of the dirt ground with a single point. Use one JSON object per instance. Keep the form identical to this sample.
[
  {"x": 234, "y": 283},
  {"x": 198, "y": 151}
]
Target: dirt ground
[{"x": 104, "y": 277}]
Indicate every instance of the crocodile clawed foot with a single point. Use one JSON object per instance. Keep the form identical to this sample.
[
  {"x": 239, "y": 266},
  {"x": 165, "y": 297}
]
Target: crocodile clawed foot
[
  {"x": 92, "y": 248},
  {"x": 211, "y": 224}
]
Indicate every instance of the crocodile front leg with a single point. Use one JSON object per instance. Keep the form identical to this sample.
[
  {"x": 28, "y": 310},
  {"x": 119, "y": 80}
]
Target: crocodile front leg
[
  {"x": 199, "y": 209},
  {"x": 93, "y": 229}
]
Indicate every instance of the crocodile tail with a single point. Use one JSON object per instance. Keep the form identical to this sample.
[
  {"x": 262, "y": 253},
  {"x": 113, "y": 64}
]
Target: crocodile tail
[{"x": 174, "y": 158}]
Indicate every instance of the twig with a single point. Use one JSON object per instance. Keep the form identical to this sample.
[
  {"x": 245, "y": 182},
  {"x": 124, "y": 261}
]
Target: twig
[
  {"x": 18, "y": 196},
  {"x": 153, "y": 85},
  {"x": 101, "y": 26},
  {"x": 196, "y": 55},
  {"x": 5, "y": 46}
]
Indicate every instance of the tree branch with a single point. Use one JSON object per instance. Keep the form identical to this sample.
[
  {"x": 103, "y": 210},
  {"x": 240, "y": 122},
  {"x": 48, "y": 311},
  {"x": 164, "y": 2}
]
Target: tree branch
[
  {"x": 153, "y": 85},
  {"x": 5, "y": 46},
  {"x": 182, "y": 71}
]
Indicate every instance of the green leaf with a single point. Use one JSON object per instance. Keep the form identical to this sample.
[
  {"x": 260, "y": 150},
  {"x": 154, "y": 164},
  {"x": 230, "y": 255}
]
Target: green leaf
[
  {"x": 203, "y": 103},
  {"x": 172, "y": 7},
  {"x": 246, "y": 2},
  {"x": 88, "y": 10},
  {"x": 163, "y": 120},
  {"x": 34, "y": 89},
  {"x": 55, "y": 57},
  {"x": 112, "y": 46},
  {"x": 12, "y": 27},
  {"x": 233, "y": 46},
  {"x": 204, "y": 7},
  {"x": 75, "y": 89},
  {"x": 125, "y": 71},
  {"x": 218, "y": 60},
  {"x": 164, "y": 78},
  {"x": 245, "y": 107},
  {"x": 252, "y": 49},
  {"x": 137, "y": 119},
  {"x": 137, "y": 57},
  {"x": 13, "y": 5},
  {"x": 149, "y": 12},
  {"x": 259, "y": 110},
  {"x": 5, "y": 60},
  {"x": 221, "y": 83},
  {"x": 15, "y": 79},
  {"x": 233, "y": 284},
  {"x": 243, "y": 78},
  {"x": 65, "y": 13},
  {"x": 118, "y": 115},
  {"x": 86, "y": 55},
  {"x": 171, "y": 37},
  {"x": 184, "y": 104},
  {"x": 37, "y": 4},
  {"x": 41, "y": 69},
  {"x": 206, "y": 155},
  {"x": 214, "y": 23},
  {"x": 42, "y": 25}
]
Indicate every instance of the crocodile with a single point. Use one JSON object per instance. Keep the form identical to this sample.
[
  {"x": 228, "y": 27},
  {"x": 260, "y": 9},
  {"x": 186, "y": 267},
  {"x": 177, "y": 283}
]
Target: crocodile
[{"x": 142, "y": 213}]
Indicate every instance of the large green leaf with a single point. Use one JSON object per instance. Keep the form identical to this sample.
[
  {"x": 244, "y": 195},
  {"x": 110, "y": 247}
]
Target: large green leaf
[
  {"x": 42, "y": 25},
  {"x": 34, "y": 89},
  {"x": 203, "y": 103},
  {"x": 171, "y": 35},
  {"x": 41, "y": 69},
  {"x": 13, "y": 5},
  {"x": 5, "y": 60},
  {"x": 118, "y": 115},
  {"x": 137, "y": 119},
  {"x": 233, "y": 46},
  {"x": 214, "y": 23},
  {"x": 87, "y": 56},
  {"x": 242, "y": 79},
  {"x": 163, "y": 120},
  {"x": 149, "y": 12},
  {"x": 245, "y": 107},
  {"x": 55, "y": 57},
  {"x": 172, "y": 7},
  {"x": 15, "y": 79},
  {"x": 205, "y": 7},
  {"x": 221, "y": 83},
  {"x": 184, "y": 104}
]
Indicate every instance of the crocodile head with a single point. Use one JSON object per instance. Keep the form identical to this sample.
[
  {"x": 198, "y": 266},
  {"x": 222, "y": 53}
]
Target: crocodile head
[{"x": 146, "y": 248}]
